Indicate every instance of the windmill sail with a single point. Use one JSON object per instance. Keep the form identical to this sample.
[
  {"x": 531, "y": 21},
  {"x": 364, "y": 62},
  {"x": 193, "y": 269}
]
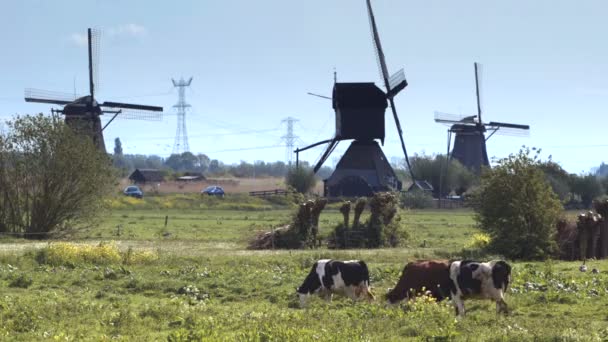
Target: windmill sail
[{"x": 385, "y": 77}]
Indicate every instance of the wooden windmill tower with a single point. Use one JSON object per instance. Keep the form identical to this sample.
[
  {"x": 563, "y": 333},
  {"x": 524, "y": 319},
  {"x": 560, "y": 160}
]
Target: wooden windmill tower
[
  {"x": 83, "y": 113},
  {"x": 360, "y": 109},
  {"x": 470, "y": 140}
]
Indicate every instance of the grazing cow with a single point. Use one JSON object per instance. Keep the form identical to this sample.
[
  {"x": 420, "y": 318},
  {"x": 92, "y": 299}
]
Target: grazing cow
[
  {"x": 487, "y": 280},
  {"x": 330, "y": 276},
  {"x": 421, "y": 276}
]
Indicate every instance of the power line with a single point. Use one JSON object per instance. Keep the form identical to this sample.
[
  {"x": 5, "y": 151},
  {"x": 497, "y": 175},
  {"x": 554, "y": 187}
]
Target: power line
[
  {"x": 208, "y": 135},
  {"x": 247, "y": 148}
]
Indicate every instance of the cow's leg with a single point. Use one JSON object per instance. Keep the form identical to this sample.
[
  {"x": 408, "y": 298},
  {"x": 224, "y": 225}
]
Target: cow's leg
[
  {"x": 458, "y": 305},
  {"x": 326, "y": 294},
  {"x": 303, "y": 299},
  {"x": 501, "y": 306},
  {"x": 351, "y": 292}
]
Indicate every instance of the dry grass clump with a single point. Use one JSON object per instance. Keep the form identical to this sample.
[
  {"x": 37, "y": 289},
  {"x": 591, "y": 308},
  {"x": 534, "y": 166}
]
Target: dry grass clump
[
  {"x": 302, "y": 232},
  {"x": 382, "y": 229}
]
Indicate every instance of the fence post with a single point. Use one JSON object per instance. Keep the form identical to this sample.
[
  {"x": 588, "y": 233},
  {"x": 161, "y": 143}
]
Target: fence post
[
  {"x": 272, "y": 231},
  {"x": 166, "y": 220}
]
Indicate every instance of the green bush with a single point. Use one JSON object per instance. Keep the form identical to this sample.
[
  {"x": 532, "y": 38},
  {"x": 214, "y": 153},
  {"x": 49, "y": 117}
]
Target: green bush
[
  {"x": 302, "y": 179},
  {"x": 416, "y": 200},
  {"x": 516, "y": 206},
  {"x": 22, "y": 281}
]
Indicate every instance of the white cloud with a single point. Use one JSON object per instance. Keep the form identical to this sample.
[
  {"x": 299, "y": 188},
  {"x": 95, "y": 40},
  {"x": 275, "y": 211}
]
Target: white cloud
[
  {"x": 79, "y": 39},
  {"x": 131, "y": 30},
  {"x": 121, "y": 31}
]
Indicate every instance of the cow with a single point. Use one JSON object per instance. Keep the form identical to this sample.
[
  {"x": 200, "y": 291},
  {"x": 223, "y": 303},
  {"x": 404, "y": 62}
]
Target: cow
[
  {"x": 432, "y": 276},
  {"x": 332, "y": 276},
  {"x": 483, "y": 280}
]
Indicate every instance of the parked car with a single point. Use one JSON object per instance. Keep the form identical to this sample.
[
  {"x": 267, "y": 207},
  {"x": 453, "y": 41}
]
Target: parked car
[
  {"x": 213, "y": 190},
  {"x": 133, "y": 191}
]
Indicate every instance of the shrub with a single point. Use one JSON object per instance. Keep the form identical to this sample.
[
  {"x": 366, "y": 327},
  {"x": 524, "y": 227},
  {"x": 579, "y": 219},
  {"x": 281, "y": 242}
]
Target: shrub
[
  {"x": 416, "y": 200},
  {"x": 50, "y": 176},
  {"x": 479, "y": 241},
  {"x": 22, "y": 281},
  {"x": 516, "y": 206},
  {"x": 302, "y": 179},
  {"x": 70, "y": 254}
]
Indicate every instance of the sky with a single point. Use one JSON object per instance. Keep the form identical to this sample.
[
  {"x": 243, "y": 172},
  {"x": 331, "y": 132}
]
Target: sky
[{"x": 253, "y": 63}]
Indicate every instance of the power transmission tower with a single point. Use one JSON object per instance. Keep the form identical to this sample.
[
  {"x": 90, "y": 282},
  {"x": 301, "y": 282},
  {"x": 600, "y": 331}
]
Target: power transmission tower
[
  {"x": 181, "y": 136},
  {"x": 289, "y": 139}
]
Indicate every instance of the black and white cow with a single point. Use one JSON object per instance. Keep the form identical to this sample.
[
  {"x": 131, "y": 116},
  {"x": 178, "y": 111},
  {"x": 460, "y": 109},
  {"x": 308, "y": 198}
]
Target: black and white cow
[
  {"x": 487, "y": 280},
  {"x": 331, "y": 276}
]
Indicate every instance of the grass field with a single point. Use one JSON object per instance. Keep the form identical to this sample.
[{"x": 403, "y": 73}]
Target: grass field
[{"x": 198, "y": 282}]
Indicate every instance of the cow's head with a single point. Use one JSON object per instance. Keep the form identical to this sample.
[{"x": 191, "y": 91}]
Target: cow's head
[
  {"x": 302, "y": 296},
  {"x": 501, "y": 274},
  {"x": 365, "y": 292}
]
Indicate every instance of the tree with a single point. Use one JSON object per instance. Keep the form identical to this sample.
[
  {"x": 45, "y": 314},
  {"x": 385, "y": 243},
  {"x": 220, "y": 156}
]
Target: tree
[
  {"x": 203, "y": 162},
  {"x": 435, "y": 169},
  {"x": 117, "y": 147},
  {"x": 558, "y": 178},
  {"x": 588, "y": 187},
  {"x": 302, "y": 179},
  {"x": 51, "y": 178},
  {"x": 516, "y": 206}
]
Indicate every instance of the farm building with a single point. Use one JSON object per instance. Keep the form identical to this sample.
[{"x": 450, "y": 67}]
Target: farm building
[
  {"x": 143, "y": 176},
  {"x": 191, "y": 177}
]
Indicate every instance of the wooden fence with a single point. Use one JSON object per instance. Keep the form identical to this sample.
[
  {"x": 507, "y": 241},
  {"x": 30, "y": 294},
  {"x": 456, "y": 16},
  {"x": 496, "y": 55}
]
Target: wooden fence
[{"x": 266, "y": 193}]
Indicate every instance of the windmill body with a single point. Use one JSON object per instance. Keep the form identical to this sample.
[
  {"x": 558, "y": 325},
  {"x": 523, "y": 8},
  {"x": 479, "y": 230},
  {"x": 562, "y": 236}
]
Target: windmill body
[
  {"x": 363, "y": 169},
  {"x": 360, "y": 113},
  {"x": 470, "y": 146},
  {"x": 83, "y": 113},
  {"x": 83, "y": 116}
]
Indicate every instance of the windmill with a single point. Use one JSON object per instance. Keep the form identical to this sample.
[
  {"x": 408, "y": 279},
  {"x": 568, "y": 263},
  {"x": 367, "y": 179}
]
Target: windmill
[
  {"x": 470, "y": 140},
  {"x": 360, "y": 109},
  {"x": 83, "y": 113}
]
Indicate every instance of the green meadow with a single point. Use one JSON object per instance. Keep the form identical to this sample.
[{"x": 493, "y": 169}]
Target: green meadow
[{"x": 133, "y": 278}]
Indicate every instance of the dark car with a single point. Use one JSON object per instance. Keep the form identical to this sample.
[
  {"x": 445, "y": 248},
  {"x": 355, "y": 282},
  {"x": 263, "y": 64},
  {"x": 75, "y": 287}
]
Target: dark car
[
  {"x": 133, "y": 191},
  {"x": 213, "y": 190}
]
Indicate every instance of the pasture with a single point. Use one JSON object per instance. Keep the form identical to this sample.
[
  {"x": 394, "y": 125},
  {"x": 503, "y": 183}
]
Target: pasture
[{"x": 197, "y": 281}]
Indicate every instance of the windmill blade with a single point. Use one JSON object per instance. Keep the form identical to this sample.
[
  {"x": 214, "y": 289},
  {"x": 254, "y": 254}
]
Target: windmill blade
[
  {"x": 94, "y": 38},
  {"x": 507, "y": 125},
  {"x": 385, "y": 77},
  {"x": 513, "y": 132},
  {"x": 378, "y": 46},
  {"x": 47, "y": 96},
  {"x": 453, "y": 118},
  {"x": 478, "y": 71},
  {"x": 135, "y": 114},
  {"x": 131, "y": 106},
  {"x": 396, "y": 83}
]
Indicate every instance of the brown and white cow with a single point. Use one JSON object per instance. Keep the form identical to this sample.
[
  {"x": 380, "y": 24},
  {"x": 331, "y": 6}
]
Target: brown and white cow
[
  {"x": 483, "y": 280},
  {"x": 332, "y": 276},
  {"x": 432, "y": 276}
]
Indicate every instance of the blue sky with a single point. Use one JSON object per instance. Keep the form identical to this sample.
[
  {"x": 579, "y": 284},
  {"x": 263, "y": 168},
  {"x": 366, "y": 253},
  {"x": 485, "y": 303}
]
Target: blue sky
[{"x": 544, "y": 64}]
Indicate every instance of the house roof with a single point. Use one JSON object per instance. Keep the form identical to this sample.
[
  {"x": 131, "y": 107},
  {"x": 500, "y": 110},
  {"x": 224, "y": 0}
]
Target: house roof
[
  {"x": 421, "y": 185},
  {"x": 147, "y": 175}
]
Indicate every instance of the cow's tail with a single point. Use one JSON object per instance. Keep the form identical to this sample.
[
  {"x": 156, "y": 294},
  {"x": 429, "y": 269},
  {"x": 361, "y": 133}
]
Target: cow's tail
[{"x": 369, "y": 292}]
